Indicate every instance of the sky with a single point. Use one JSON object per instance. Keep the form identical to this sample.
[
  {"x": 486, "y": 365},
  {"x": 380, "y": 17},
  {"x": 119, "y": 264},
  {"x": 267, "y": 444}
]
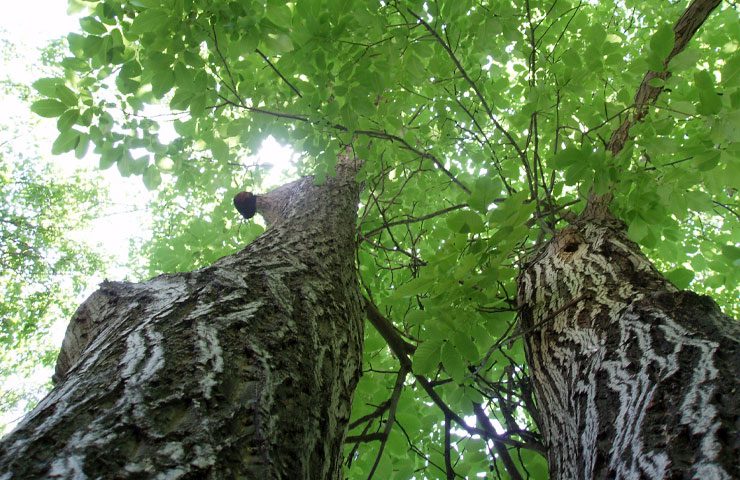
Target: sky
[{"x": 34, "y": 22}]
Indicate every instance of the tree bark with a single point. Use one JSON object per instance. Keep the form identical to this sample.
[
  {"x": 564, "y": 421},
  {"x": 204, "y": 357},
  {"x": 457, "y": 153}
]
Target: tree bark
[
  {"x": 633, "y": 378},
  {"x": 243, "y": 369}
]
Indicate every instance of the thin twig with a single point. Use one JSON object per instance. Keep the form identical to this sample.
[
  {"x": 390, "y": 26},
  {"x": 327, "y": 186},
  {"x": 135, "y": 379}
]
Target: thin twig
[
  {"x": 475, "y": 88},
  {"x": 397, "y": 388},
  {"x": 274, "y": 69},
  {"x": 448, "y": 456},
  {"x": 501, "y": 450},
  {"x": 411, "y": 220}
]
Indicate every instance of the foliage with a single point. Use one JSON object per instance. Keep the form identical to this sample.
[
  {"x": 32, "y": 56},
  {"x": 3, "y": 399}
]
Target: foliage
[
  {"x": 482, "y": 125},
  {"x": 43, "y": 269}
]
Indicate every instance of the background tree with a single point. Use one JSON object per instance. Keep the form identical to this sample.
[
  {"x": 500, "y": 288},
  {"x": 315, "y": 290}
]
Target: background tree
[
  {"x": 43, "y": 267},
  {"x": 484, "y": 128}
]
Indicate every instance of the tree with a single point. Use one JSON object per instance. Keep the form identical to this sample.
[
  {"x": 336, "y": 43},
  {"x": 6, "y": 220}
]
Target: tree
[
  {"x": 259, "y": 353},
  {"x": 493, "y": 192},
  {"x": 42, "y": 269}
]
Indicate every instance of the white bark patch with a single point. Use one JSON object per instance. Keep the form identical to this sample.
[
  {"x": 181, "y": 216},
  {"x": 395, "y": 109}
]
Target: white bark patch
[
  {"x": 69, "y": 467},
  {"x": 143, "y": 358},
  {"x": 279, "y": 290},
  {"x": 171, "y": 474},
  {"x": 636, "y": 391},
  {"x": 210, "y": 355},
  {"x": 205, "y": 308},
  {"x": 204, "y": 456},
  {"x": 244, "y": 315},
  {"x": 173, "y": 450}
]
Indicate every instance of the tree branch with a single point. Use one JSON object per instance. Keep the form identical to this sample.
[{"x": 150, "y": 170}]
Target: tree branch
[
  {"x": 448, "y": 457},
  {"x": 397, "y": 388},
  {"x": 379, "y": 411},
  {"x": 693, "y": 18},
  {"x": 398, "y": 348},
  {"x": 411, "y": 220},
  {"x": 503, "y": 453},
  {"x": 686, "y": 26},
  {"x": 274, "y": 69},
  {"x": 475, "y": 88}
]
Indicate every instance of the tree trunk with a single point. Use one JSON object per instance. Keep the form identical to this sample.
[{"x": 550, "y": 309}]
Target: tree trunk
[
  {"x": 243, "y": 369},
  {"x": 633, "y": 378}
]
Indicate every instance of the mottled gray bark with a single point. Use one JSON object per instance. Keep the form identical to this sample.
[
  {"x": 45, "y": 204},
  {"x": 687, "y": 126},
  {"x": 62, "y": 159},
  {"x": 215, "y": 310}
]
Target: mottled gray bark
[
  {"x": 243, "y": 369},
  {"x": 633, "y": 378}
]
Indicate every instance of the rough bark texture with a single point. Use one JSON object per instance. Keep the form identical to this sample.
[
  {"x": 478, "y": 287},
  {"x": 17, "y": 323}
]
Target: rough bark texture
[
  {"x": 633, "y": 378},
  {"x": 243, "y": 369}
]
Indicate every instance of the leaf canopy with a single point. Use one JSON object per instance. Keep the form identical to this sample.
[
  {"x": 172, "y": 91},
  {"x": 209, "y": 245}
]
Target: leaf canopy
[{"x": 481, "y": 124}]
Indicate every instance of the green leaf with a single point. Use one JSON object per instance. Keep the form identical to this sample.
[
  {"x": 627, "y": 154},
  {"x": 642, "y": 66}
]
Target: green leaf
[
  {"x": 66, "y": 95},
  {"x": 162, "y": 82},
  {"x": 150, "y": 20},
  {"x": 465, "y": 346},
  {"x": 512, "y": 211},
  {"x": 46, "y": 86},
  {"x": 698, "y": 200},
  {"x": 125, "y": 164},
  {"x": 130, "y": 69},
  {"x": 65, "y": 142},
  {"x": 279, "y": 14},
  {"x": 732, "y": 254},
  {"x": 680, "y": 277},
  {"x": 220, "y": 150},
  {"x": 278, "y": 43},
  {"x": 67, "y": 119},
  {"x": 92, "y": 25},
  {"x": 82, "y": 146},
  {"x": 536, "y": 464},
  {"x": 465, "y": 221},
  {"x": 709, "y": 102},
  {"x": 707, "y": 161},
  {"x": 661, "y": 42},
  {"x": 373, "y": 341},
  {"x": 576, "y": 173},
  {"x": 637, "y": 230},
  {"x": 453, "y": 362},
  {"x": 48, "y": 108},
  {"x": 110, "y": 156},
  {"x": 569, "y": 157},
  {"x": 685, "y": 60},
  {"x": 126, "y": 85},
  {"x": 485, "y": 191},
  {"x": 147, "y": 3},
  {"x": 731, "y": 71},
  {"x": 152, "y": 177},
  {"x": 413, "y": 287},
  {"x": 198, "y": 105},
  {"x": 427, "y": 357}
]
